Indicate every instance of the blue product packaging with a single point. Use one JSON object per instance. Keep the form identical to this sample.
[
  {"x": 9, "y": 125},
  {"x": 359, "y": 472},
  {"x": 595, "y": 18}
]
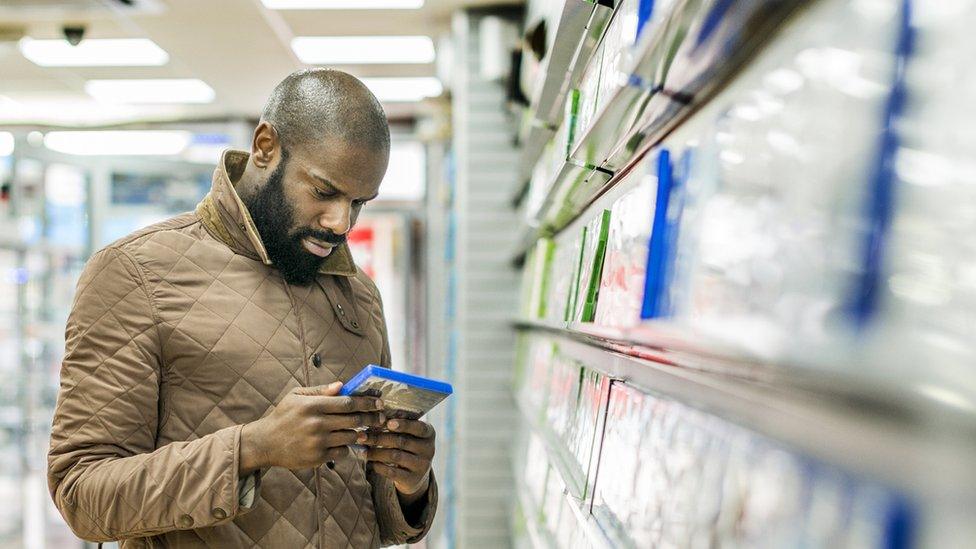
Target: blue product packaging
[
  {"x": 404, "y": 395},
  {"x": 657, "y": 253}
]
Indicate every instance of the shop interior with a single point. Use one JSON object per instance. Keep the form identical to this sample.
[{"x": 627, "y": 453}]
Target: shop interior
[{"x": 701, "y": 272}]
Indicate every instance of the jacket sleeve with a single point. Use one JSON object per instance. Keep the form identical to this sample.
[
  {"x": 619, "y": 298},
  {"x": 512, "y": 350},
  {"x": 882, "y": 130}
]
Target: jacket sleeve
[
  {"x": 105, "y": 473},
  {"x": 395, "y": 529}
]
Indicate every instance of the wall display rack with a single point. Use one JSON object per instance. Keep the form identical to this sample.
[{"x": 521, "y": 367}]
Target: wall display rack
[{"x": 769, "y": 362}]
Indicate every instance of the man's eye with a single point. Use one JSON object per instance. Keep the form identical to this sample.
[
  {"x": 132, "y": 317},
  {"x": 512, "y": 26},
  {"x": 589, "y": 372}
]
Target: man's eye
[{"x": 323, "y": 194}]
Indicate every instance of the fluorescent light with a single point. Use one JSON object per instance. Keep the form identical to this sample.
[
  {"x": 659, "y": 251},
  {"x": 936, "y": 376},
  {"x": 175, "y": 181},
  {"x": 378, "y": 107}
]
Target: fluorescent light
[
  {"x": 355, "y": 50},
  {"x": 118, "y": 143},
  {"x": 405, "y": 89},
  {"x": 343, "y": 4},
  {"x": 162, "y": 90},
  {"x": 114, "y": 52},
  {"x": 6, "y": 143}
]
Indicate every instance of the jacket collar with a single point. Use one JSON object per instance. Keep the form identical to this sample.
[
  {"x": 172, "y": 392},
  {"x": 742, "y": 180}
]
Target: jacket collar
[{"x": 226, "y": 217}]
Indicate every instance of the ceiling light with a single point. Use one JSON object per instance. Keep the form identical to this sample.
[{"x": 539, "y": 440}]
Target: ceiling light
[
  {"x": 343, "y": 4},
  {"x": 353, "y": 50},
  {"x": 162, "y": 90},
  {"x": 115, "y": 52},
  {"x": 116, "y": 143},
  {"x": 6, "y": 143},
  {"x": 405, "y": 89}
]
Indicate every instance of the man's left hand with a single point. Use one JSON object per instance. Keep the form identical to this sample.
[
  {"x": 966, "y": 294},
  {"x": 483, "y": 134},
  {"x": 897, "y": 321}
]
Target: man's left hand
[{"x": 403, "y": 453}]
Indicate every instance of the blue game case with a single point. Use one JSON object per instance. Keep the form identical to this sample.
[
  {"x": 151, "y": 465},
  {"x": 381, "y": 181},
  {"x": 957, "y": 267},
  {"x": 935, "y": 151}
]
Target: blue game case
[{"x": 404, "y": 395}]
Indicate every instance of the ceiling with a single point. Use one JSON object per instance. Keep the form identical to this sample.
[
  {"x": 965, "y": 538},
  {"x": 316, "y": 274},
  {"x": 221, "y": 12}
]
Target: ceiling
[{"x": 239, "y": 47}]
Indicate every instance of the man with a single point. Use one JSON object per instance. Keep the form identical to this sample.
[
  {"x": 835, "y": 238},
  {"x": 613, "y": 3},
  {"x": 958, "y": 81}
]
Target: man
[{"x": 204, "y": 355}]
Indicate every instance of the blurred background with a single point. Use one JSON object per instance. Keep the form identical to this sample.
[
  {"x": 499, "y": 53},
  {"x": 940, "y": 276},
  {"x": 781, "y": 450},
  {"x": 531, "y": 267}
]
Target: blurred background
[{"x": 702, "y": 272}]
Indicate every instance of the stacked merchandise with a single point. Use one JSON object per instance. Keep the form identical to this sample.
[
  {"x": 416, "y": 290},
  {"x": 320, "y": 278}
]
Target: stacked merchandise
[
  {"x": 774, "y": 203},
  {"x": 927, "y": 295},
  {"x": 622, "y": 284},
  {"x": 535, "y": 279},
  {"x": 566, "y": 398},
  {"x": 790, "y": 188},
  {"x": 552, "y": 463},
  {"x": 591, "y": 267},
  {"x": 683, "y": 478}
]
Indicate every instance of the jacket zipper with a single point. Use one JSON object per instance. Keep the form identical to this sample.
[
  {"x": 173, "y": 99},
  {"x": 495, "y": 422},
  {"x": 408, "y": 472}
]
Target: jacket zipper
[{"x": 308, "y": 383}]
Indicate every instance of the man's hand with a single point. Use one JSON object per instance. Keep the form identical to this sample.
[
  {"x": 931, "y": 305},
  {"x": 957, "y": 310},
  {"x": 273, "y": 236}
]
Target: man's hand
[
  {"x": 403, "y": 453},
  {"x": 310, "y": 426}
]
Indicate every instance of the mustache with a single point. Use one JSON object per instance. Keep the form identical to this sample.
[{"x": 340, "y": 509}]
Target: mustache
[{"x": 328, "y": 237}]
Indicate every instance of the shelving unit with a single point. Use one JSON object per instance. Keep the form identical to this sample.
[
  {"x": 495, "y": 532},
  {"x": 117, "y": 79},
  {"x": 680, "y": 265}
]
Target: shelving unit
[
  {"x": 828, "y": 402},
  {"x": 578, "y": 28}
]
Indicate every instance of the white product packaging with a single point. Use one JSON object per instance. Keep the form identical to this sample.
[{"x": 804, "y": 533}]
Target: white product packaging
[
  {"x": 926, "y": 325},
  {"x": 589, "y": 92},
  {"x": 622, "y": 284},
  {"x": 778, "y": 232}
]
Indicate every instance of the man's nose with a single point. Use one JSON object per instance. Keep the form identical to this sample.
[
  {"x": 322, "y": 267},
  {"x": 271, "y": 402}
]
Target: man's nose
[{"x": 336, "y": 218}]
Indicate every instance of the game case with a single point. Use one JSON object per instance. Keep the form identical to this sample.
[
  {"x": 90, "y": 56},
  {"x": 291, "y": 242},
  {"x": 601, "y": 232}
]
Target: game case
[
  {"x": 622, "y": 284},
  {"x": 592, "y": 267},
  {"x": 404, "y": 395},
  {"x": 575, "y": 279}
]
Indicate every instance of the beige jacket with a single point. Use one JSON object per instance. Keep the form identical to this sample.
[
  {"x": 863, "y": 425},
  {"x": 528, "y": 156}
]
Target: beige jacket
[{"x": 179, "y": 335}]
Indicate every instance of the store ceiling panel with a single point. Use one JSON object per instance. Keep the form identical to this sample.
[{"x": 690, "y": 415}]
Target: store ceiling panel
[{"x": 240, "y": 48}]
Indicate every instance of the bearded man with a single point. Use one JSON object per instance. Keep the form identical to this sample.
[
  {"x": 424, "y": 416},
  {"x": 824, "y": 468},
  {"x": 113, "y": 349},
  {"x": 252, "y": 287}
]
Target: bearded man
[{"x": 204, "y": 356}]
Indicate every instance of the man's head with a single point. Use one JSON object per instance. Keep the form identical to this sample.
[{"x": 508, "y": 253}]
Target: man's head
[{"x": 318, "y": 155}]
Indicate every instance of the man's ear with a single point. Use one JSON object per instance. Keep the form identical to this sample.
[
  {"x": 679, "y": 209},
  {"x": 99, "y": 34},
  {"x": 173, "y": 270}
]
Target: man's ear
[{"x": 265, "y": 146}]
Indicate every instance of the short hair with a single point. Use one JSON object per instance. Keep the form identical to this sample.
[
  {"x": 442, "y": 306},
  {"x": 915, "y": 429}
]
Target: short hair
[{"x": 318, "y": 103}]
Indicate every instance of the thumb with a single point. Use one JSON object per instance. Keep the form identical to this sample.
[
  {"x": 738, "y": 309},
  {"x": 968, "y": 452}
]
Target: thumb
[{"x": 331, "y": 389}]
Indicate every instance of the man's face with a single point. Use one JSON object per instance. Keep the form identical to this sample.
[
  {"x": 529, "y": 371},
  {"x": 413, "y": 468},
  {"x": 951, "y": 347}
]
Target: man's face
[{"x": 311, "y": 201}]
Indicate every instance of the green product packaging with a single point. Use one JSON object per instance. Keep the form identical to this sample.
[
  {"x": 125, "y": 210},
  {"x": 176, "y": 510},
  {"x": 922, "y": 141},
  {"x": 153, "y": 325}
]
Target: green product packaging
[
  {"x": 540, "y": 277},
  {"x": 575, "y": 280},
  {"x": 592, "y": 267}
]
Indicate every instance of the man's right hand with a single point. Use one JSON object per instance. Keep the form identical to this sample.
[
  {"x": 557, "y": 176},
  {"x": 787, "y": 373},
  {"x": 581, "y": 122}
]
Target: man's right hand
[{"x": 310, "y": 426}]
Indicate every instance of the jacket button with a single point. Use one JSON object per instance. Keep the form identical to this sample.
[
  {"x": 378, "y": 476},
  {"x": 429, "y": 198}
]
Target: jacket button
[
  {"x": 185, "y": 521},
  {"x": 316, "y": 360},
  {"x": 330, "y": 464},
  {"x": 219, "y": 513}
]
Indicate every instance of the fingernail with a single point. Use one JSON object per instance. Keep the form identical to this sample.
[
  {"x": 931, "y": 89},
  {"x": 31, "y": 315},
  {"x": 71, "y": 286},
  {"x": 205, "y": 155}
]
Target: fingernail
[
  {"x": 393, "y": 425},
  {"x": 379, "y": 404},
  {"x": 335, "y": 385},
  {"x": 361, "y": 439},
  {"x": 382, "y": 418}
]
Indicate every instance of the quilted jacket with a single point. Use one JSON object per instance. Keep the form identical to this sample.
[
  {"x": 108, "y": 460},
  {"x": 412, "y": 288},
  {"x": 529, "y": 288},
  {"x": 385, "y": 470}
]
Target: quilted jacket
[{"x": 179, "y": 335}]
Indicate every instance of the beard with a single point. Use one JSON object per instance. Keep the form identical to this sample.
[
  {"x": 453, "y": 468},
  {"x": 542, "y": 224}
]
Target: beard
[{"x": 274, "y": 218}]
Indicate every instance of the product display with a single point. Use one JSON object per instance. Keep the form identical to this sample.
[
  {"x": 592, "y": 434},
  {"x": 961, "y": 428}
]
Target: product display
[
  {"x": 925, "y": 297},
  {"x": 683, "y": 478},
  {"x": 779, "y": 188},
  {"x": 591, "y": 269},
  {"x": 574, "y": 291},
  {"x": 589, "y": 95},
  {"x": 536, "y": 279},
  {"x": 622, "y": 283},
  {"x": 778, "y": 248}
]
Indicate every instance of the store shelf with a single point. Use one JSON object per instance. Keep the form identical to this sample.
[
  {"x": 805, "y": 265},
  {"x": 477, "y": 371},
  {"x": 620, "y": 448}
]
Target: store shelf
[
  {"x": 586, "y": 524},
  {"x": 538, "y": 537},
  {"x": 643, "y": 112},
  {"x": 573, "y": 187},
  {"x": 576, "y": 35},
  {"x": 581, "y": 25},
  {"x": 684, "y": 73},
  {"x": 671, "y": 346},
  {"x": 532, "y": 142},
  {"x": 574, "y": 478},
  {"x": 880, "y": 435}
]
